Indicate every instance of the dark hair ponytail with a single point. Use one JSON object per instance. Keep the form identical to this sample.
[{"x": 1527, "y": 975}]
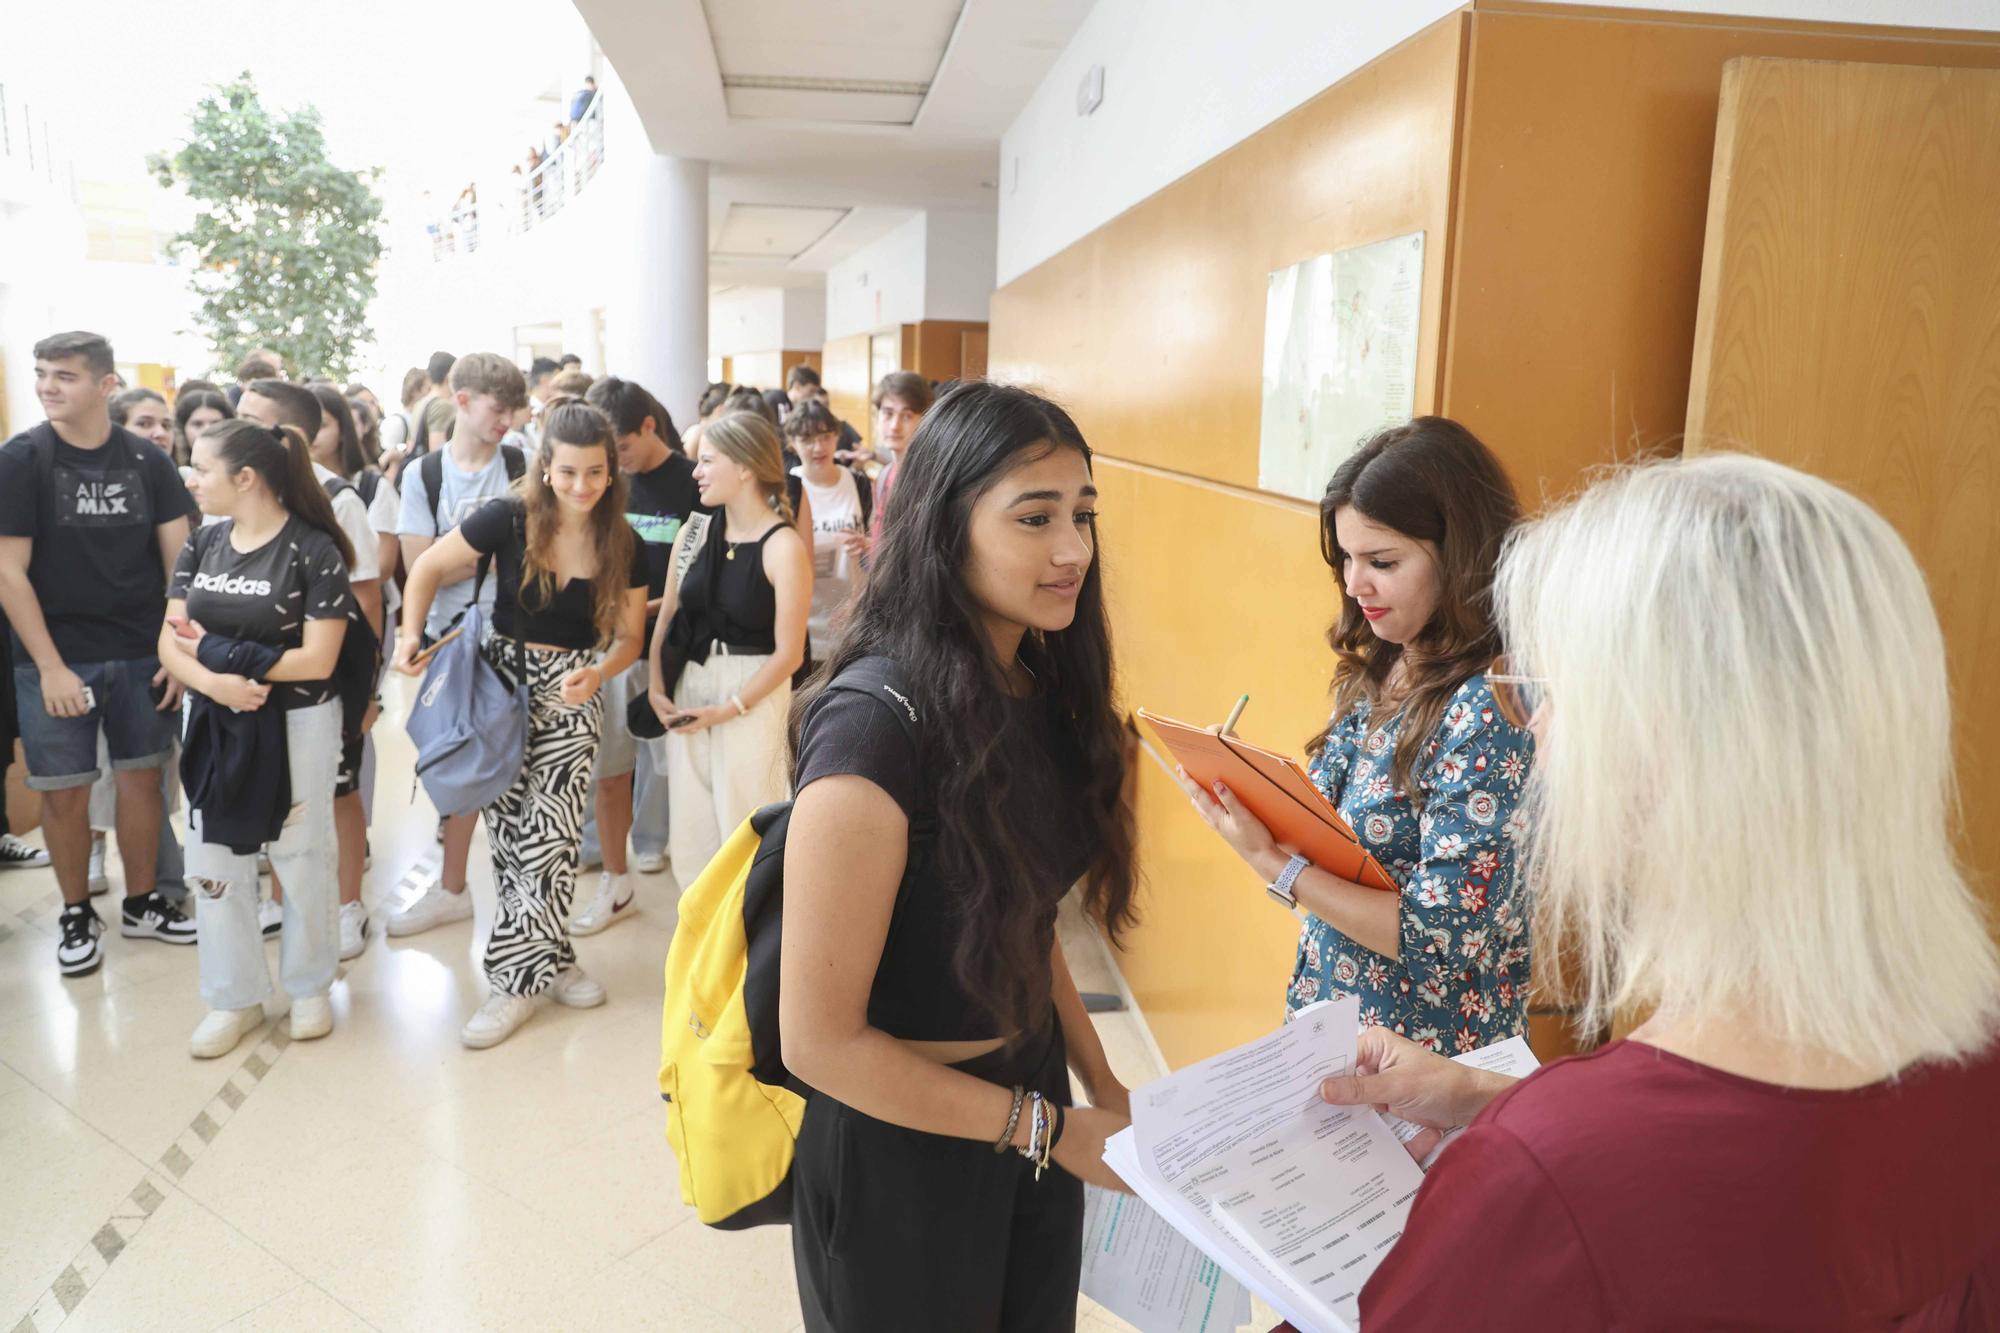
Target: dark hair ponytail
[{"x": 282, "y": 457}]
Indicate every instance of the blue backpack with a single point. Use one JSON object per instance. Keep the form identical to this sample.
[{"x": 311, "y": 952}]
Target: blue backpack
[{"x": 470, "y": 729}]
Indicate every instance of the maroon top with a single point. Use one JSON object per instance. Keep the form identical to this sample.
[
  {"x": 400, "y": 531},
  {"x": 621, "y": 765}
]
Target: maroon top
[{"x": 1632, "y": 1189}]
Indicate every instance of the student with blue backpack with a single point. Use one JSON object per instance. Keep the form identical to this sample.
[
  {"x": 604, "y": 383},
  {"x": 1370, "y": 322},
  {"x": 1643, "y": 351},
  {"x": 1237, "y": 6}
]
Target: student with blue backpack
[
  {"x": 924, "y": 1000},
  {"x": 569, "y": 612},
  {"x": 441, "y": 486}
]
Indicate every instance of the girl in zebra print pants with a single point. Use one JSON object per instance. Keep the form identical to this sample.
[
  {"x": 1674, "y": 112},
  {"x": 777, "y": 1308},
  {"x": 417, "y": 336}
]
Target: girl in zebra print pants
[
  {"x": 536, "y": 827},
  {"x": 572, "y": 580}
]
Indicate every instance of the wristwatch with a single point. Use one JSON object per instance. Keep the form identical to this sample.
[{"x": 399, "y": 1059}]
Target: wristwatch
[{"x": 1284, "y": 888}]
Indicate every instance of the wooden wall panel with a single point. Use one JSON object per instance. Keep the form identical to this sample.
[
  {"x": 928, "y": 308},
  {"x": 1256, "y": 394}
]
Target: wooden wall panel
[
  {"x": 1151, "y": 332},
  {"x": 796, "y": 357},
  {"x": 940, "y": 347},
  {"x": 1151, "y": 329},
  {"x": 1583, "y": 178},
  {"x": 1850, "y": 326},
  {"x": 1213, "y": 592},
  {"x": 844, "y": 372},
  {"x": 1558, "y": 160}
]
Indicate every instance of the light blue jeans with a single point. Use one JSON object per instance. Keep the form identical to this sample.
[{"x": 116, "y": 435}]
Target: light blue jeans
[{"x": 233, "y": 971}]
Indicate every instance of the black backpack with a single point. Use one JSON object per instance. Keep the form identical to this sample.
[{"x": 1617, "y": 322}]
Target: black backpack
[
  {"x": 430, "y": 470},
  {"x": 355, "y": 670}
]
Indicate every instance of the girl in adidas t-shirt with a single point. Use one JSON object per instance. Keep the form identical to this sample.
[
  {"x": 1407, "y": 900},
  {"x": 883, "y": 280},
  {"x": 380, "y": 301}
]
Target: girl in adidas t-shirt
[{"x": 272, "y": 571}]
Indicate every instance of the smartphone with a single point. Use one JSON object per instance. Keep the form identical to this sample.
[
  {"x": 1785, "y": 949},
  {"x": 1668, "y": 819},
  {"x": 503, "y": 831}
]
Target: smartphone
[{"x": 680, "y": 720}]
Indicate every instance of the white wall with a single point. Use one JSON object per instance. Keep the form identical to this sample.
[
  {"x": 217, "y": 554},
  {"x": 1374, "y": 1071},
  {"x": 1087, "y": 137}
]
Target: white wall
[
  {"x": 805, "y": 318},
  {"x": 1185, "y": 80},
  {"x": 958, "y": 263},
  {"x": 746, "y": 319},
  {"x": 878, "y": 285},
  {"x": 938, "y": 265}
]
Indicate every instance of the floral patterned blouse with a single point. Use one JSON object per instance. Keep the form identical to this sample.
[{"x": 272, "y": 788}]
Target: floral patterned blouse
[{"x": 1462, "y": 981}]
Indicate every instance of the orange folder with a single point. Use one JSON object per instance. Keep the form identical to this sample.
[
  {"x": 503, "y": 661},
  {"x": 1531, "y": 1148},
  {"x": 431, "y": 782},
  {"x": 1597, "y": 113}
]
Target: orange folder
[{"x": 1276, "y": 790}]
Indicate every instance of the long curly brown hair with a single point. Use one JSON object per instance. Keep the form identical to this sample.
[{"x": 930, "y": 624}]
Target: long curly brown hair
[
  {"x": 1431, "y": 480},
  {"x": 580, "y": 426}
]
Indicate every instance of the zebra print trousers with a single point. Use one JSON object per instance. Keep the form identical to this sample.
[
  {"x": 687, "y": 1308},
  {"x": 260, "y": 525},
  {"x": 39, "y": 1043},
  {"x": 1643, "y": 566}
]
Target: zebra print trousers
[{"x": 536, "y": 827}]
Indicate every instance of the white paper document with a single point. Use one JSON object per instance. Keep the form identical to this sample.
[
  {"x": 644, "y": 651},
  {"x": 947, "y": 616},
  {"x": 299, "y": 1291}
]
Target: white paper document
[
  {"x": 1510, "y": 1057},
  {"x": 1297, "y": 1200},
  {"x": 1142, "y": 1270}
]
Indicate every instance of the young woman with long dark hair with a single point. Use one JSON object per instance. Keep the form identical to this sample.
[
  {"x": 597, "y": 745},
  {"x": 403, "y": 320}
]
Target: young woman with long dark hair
[
  {"x": 925, "y": 999},
  {"x": 145, "y": 413},
  {"x": 571, "y": 581},
  {"x": 271, "y": 576},
  {"x": 1417, "y": 757},
  {"x": 195, "y": 410}
]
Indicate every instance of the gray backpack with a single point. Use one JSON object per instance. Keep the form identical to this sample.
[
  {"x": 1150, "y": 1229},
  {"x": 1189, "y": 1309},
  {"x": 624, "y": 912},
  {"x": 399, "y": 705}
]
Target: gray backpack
[{"x": 470, "y": 729}]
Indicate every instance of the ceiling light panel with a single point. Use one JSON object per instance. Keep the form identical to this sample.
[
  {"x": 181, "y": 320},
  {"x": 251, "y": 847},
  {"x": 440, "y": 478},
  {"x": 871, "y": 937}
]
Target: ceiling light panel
[
  {"x": 772, "y": 231},
  {"x": 849, "y": 61}
]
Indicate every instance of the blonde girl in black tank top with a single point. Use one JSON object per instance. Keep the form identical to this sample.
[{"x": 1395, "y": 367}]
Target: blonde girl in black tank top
[{"x": 737, "y": 619}]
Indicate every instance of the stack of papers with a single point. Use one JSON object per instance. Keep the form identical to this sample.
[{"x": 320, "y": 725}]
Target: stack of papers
[{"x": 1296, "y": 1200}]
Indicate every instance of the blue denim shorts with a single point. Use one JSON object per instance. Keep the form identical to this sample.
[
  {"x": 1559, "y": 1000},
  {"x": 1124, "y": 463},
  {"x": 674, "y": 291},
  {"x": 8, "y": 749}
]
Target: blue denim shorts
[{"x": 62, "y": 751}]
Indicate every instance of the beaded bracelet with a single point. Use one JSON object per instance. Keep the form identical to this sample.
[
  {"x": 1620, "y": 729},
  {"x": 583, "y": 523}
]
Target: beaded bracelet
[{"x": 1006, "y": 1139}]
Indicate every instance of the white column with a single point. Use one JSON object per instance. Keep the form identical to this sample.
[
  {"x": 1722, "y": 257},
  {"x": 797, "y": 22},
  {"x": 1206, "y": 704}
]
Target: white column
[{"x": 657, "y": 327}]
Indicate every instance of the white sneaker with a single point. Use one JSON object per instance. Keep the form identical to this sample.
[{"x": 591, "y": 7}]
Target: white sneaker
[
  {"x": 611, "y": 904},
  {"x": 18, "y": 855},
  {"x": 218, "y": 1034},
  {"x": 496, "y": 1020},
  {"x": 574, "y": 990},
  {"x": 433, "y": 907},
  {"x": 100, "y": 883},
  {"x": 270, "y": 917},
  {"x": 649, "y": 863},
  {"x": 312, "y": 1016},
  {"x": 353, "y": 930}
]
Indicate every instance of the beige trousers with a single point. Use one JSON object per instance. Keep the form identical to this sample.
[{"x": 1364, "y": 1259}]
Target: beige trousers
[{"x": 717, "y": 777}]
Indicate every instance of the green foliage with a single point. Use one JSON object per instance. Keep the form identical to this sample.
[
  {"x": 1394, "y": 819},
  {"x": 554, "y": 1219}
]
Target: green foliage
[{"x": 286, "y": 246}]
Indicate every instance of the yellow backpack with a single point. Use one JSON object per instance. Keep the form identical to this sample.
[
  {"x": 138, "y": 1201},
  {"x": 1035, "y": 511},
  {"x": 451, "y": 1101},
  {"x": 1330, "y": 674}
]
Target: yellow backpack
[{"x": 733, "y": 1112}]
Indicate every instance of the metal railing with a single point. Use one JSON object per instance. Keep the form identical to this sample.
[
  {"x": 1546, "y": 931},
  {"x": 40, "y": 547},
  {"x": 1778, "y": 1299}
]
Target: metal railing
[
  {"x": 563, "y": 173},
  {"x": 538, "y": 195}
]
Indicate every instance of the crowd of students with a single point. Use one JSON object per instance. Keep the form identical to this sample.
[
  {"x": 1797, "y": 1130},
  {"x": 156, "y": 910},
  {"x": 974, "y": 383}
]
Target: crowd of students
[
  {"x": 293, "y": 538},
  {"x": 1700, "y": 709}
]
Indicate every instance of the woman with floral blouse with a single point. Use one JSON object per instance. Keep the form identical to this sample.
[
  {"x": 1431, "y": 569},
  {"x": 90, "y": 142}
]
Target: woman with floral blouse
[{"x": 1416, "y": 757}]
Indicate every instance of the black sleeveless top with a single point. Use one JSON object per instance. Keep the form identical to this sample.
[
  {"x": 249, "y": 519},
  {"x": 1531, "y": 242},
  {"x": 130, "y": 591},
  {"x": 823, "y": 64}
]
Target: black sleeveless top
[{"x": 725, "y": 595}]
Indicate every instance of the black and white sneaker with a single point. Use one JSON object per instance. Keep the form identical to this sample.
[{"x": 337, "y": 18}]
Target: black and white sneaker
[
  {"x": 79, "y": 953},
  {"x": 151, "y": 917},
  {"x": 18, "y": 855}
]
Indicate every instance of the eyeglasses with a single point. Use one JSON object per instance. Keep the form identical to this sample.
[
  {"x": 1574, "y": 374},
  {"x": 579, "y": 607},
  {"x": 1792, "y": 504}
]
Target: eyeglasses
[{"x": 1519, "y": 698}]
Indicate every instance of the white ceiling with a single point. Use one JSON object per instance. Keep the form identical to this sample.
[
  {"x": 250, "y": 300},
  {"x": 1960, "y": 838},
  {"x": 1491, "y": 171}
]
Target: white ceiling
[{"x": 877, "y": 157}]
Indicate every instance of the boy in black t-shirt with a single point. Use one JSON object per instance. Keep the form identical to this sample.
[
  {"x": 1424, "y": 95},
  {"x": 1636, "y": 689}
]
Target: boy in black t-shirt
[
  {"x": 631, "y": 795},
  {"x": 91, "y": 519}
]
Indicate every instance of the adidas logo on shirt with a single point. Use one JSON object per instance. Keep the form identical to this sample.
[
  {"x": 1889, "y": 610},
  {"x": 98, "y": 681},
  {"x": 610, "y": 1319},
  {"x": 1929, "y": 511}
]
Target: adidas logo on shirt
[{"x": 235, "y": 586}]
